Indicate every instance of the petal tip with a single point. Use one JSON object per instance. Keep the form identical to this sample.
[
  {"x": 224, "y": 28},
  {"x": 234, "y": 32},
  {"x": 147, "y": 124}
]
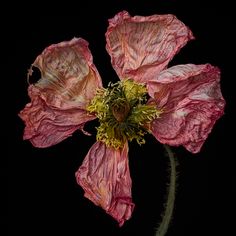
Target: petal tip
[{"x": 118, "y": 18}]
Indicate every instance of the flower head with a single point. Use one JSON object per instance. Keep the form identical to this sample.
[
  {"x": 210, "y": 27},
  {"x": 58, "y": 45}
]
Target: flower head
[
  {"x": 123, "y": 113},
  {"x": 177, "y": 105}
]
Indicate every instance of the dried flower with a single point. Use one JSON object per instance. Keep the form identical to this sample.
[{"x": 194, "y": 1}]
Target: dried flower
[{"x": 177, "y": 105}]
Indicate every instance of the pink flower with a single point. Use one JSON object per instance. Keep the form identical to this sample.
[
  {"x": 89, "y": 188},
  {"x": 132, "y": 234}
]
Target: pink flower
[{"x": 187, "y": 99}]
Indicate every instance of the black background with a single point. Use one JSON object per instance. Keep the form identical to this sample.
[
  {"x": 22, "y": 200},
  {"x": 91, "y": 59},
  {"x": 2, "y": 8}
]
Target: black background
[{"x": 43, "y": 197}]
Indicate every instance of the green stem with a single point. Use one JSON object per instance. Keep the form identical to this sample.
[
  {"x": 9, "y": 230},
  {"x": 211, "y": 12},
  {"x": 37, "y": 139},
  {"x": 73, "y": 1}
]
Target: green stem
[{"x": 169, "y": 207}]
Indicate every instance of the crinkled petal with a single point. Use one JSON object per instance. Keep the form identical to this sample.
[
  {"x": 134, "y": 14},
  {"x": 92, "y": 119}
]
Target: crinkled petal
[
  {"x": 192, "y": 102},
  {"x": 104, "y": 175},
  {"x": 140, "y": 47},
  {"x": 68, "y": 82},
  {"x": 47, "y": 125}
]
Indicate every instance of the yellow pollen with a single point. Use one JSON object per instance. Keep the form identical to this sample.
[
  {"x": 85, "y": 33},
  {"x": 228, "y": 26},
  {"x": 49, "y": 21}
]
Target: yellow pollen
[{"x": 123, "y": 113}]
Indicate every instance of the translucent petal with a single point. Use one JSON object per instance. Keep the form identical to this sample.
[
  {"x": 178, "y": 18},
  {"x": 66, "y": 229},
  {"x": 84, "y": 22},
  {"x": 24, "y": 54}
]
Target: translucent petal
[
  {"x": 140, "y": 47},
  {"x": 68, "y": 82},
  {"x": 191, "y": 101},
  {"x": 104, "y": 175}
]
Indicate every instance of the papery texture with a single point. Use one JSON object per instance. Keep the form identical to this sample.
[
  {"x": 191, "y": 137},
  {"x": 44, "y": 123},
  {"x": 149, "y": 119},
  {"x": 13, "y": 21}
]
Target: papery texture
[
  {"x": 191, "y": 100},
  {"x": 68, "y": 82},
  {"x": 104, "y": 175},
  {"x": 140, "y": 47}
]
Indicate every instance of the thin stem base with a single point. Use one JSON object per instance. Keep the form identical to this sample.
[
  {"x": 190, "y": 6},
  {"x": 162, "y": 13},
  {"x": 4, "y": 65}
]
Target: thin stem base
[{"x": 169, "y": 207}]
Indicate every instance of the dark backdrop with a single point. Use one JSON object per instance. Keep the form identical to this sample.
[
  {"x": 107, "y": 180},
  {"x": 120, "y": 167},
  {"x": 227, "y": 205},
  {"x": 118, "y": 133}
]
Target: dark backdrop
[{"x": 43, "y": 196}]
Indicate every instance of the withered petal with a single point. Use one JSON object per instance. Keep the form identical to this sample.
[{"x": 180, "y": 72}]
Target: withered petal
[
  {"x": 69, "y": 77},
  {"x": 68, "y": 82},
  {"x": 104, "y": 175},
  {"x": 47, "y": 125},
  {"x": 140, "y": 47},
  {"x": 192, "y": 102}
]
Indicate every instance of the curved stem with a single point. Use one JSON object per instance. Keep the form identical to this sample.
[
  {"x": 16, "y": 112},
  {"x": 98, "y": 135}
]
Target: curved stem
[{"x": 169, "y": 207}]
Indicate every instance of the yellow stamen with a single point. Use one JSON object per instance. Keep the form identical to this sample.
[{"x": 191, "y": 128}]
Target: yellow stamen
[{"x": 122, "y": 113}]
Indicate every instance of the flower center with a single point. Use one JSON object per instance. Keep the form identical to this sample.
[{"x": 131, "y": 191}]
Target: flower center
[
  {"x": 120, "y": 110},
  {"x": 123, "y": 113}
]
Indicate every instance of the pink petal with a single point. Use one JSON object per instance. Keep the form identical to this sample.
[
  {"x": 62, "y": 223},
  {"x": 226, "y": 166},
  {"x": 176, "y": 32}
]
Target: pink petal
[
  {"x": 105, "y": 178},
  {"x": 191, "y": 99},
  {"x": 140, "y": 47},
  {"x": 47, "y": 125},
  {"x": 59, "y": 99}
]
